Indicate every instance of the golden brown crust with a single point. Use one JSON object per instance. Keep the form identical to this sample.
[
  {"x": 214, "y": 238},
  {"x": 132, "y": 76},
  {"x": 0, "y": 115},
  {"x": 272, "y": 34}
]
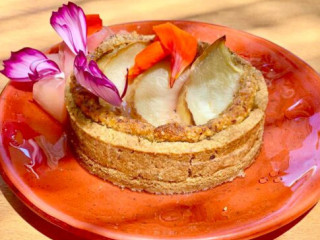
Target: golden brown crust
[{"x": 134, "y": 125}]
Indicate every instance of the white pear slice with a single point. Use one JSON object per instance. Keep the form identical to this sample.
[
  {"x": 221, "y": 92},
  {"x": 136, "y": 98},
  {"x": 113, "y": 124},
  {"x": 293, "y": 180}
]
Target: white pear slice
[
  {"x": 213, "y": 81},
  {"x": 154, "y": 100},
  {"x": 183, "y": 110},
  {"x": 115, "y": 66}
]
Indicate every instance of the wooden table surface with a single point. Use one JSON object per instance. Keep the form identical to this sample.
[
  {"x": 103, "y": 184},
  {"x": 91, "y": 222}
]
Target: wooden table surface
[{"x": 293, "y": 24}]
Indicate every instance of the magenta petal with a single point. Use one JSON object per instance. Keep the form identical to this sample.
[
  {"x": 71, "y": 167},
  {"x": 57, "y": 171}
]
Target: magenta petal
[
  {"x": 70, "y": 23},
  {"x": 27, "y": 65},
  {"x": 80, "y": 61},
  {"x": 91, "y": 77}
]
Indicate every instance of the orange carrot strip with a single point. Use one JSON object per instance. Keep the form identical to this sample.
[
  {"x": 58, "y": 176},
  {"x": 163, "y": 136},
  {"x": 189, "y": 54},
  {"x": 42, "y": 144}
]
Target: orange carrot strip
[
  {"x": 181, "y": 45},
  {"x": 149, "y": 56},
  {"x": 94, "y": 23}
]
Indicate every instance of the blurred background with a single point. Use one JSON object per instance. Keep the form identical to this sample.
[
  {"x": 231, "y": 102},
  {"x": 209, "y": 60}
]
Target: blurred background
[{"x": 292, "y": 24}]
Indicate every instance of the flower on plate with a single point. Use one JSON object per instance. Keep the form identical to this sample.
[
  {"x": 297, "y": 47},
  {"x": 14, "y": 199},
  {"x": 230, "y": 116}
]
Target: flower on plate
[
  {"x": 92, "y": 78},
  {"x": 70, "y": 23},
  {"x": 29, "y": 65}
]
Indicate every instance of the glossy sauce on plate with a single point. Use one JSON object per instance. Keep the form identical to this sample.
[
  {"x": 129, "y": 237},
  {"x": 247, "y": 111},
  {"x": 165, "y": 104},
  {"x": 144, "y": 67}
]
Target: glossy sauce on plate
[{"x": 283, "y": 182}]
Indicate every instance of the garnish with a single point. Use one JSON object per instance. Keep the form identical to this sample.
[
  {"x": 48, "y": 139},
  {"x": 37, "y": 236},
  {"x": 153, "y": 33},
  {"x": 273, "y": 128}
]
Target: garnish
[
  {"x": 115, "y": 65},
  {"x": 148, "y": 57},
  {"x": 70, "y": 23},
  {"x": 94, "y": 23},
  {"x": 29, "y": 65},
  {"x": 181, "y": 45},
  {"x": 93, "y": 41},
  {"x": 92, "y": 78}
]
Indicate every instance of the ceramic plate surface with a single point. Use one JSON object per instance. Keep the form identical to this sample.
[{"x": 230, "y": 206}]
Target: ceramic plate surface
[{"x": 282, "y": 184}]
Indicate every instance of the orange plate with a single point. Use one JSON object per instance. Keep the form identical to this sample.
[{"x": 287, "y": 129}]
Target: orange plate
[{"x": 281, "y": 185}]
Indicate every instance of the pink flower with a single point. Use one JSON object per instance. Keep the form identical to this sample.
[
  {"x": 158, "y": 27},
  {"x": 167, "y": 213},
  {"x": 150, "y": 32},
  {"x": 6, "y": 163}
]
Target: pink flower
[
  {"x": 29, "y": 65},
  {"x": 91, "y": 77},
  {"x": 70, "y": 23}
]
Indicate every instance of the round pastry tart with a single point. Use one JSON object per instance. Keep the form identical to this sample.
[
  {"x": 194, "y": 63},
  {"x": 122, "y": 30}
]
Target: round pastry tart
[{"x": 189, "y": 115}]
